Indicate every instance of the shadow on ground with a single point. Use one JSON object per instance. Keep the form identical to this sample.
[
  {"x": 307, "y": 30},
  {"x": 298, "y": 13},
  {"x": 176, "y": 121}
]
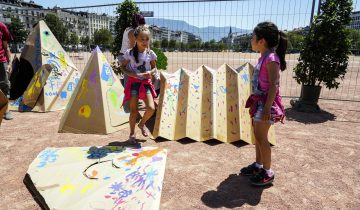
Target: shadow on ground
[
  {"x": 234, "y": 191},
  {"x": 308, "y": 118}
]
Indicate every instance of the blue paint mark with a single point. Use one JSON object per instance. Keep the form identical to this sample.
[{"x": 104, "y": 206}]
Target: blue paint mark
[
  {"x": 196, "y": 87},
  {"x": 70, "y": 86},
  {"x": 106, "y": 72},
  {"x": 47, "y": 156},
  {"x": 245, "y": 77},
  {"x": 52, "y": 55},
  {"x": 37, "y": 53},
  {"x": 223, "y": 89},
  {"x": 119, "y": 190},
  {"x": 63, "y": 94},
  {"x": 106, "y": 178}
]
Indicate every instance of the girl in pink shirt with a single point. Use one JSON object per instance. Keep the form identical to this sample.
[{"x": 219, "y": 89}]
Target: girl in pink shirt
[{"x": 265, "y": 101}]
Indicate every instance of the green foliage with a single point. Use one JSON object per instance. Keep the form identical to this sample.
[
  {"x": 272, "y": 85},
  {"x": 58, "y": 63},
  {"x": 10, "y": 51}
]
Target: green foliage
[
  {"x": 74, "y": 39},
  {"x": 57, "y": 28},
  {"x": 17, "y": 30},
  {"x": 161, "y": 62},
  {"x": 85, "y": 40},
  {"x": 125, "y": 12},
  {"x": 156, "y": 44},
  {"x": 325, "y": 52},
  {"x": 295, "y": 40},
  {"x": 164, "y": 43},
  {"x": 355, "y": 38},
  {"x": 103, "y": 37}
]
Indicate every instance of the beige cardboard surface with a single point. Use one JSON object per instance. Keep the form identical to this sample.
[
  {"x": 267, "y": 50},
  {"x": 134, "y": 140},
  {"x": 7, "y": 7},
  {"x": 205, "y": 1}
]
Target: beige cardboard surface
[
  {"x": 206, "y": 104},
  {"x": 96, "y": 105}
]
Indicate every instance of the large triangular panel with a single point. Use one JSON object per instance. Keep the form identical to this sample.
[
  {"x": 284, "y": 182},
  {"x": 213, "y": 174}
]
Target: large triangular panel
[{"x": 96, "y": 105}]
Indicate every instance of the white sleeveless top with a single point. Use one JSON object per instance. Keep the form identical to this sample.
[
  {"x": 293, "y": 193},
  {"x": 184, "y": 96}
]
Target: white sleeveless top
[{"x": 125, "y": 40}]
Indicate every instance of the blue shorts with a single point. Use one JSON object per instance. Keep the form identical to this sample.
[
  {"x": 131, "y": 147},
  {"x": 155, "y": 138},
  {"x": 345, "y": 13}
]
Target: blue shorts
[
  {"x": 135, "y": 87},
  {"x": 258, "y": 114}
]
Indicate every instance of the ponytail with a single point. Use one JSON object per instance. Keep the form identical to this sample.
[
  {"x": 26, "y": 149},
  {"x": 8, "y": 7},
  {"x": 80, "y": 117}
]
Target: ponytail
[
  {"x": 281, "y": 49},
  {"x": 135, "y": 53}
]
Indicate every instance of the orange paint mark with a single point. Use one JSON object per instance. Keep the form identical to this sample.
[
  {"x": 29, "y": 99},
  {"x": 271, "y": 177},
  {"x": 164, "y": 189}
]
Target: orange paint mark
[
  {"x": 94, "y": 173},
  {"x": 147, "y": 153}
]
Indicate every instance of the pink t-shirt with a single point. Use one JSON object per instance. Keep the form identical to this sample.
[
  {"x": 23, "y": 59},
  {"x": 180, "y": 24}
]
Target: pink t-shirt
[
  {"x": 4, "y": 36},
  {"x": 263, "y": 75}
]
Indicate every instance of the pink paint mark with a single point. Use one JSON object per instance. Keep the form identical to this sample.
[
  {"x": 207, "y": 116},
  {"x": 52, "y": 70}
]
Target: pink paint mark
[
  {"x": 142, "y": 206},
  {"x": 150, "y": 194},
  {"x": 135, "y": 154}
]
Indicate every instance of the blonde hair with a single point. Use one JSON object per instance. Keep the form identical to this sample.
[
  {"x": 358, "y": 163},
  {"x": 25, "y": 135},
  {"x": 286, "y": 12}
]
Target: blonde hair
[
  {"x": 142, "y": 29},
  {"x": 138, "y": 30}
]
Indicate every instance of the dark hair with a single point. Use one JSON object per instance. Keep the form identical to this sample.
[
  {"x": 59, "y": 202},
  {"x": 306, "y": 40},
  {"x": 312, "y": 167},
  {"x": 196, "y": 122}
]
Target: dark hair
[
  {"x": 135, "y": 50},
  {"x": 274, "y": 39},
  {"x": 137, "y": 20}
]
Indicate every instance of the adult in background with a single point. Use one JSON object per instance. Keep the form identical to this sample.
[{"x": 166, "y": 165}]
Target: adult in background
[{"x": 5, "y": 64}]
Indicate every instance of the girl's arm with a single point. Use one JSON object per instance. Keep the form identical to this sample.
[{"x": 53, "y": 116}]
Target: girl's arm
[
  {"x": 125, "y": 70},
  {"x": 153, "y": 66},
  {"x": 273, "y": 69}
]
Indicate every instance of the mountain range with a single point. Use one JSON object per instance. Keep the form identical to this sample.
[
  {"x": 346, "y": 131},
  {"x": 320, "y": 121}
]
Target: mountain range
[{"x": 206, "y": 33}]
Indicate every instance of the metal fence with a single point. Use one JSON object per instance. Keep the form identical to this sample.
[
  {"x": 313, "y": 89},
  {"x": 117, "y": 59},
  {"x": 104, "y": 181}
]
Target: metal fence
[{"x": 213, "y": 19}]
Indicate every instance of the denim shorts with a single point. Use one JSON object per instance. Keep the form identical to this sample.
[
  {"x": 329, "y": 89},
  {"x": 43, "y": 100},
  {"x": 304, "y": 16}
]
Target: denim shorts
[
  {"x": 258, "y": 114},
  {"x": 4, "y": 80},
  {"x": 135, "y": 87}
]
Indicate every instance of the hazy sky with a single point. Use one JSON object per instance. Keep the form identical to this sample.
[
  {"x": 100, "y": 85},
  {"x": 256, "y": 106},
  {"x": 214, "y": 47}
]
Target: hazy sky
[{"x": 287, "y": 14}]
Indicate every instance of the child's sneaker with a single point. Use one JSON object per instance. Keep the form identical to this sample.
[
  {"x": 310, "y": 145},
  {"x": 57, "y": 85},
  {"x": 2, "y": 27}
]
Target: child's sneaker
[
  {"x": 262, "y": 178},
  {"x": 250, "y": 170}
]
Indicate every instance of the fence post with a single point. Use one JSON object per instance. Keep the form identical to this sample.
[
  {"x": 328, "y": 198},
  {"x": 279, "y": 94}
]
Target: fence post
[
  {"x": 312, "y": 12},
  {"x": 318, "y": 13}
]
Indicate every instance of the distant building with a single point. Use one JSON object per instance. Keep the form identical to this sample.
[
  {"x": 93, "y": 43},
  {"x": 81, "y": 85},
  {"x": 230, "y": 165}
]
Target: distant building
[
  {"x": 163, "y": 33},
  {"x": 28, "y": 12},
  {"x": 355, "y": 23},
  {"x": 81, "y": 23}
]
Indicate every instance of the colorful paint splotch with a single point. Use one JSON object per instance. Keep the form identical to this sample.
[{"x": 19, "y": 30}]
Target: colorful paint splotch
[
  {"x": 85, "y": 111},
  {"x": 114, "y": 98},
  {"x": 109, "y": 182},
  {"x": 106, "y": 74},
  {"x": 47, "y": 156}
]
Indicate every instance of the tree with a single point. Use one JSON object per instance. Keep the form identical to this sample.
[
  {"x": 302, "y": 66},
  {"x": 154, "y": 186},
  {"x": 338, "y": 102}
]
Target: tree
[
  {"x": 324, "y": 56},
  {"x": 178, "y": 45},
  {"x": 74, "y": 39},
  {"x": 245, "y": 42},
  {"x": 220, "y": 46},
  {"x": 164, "y": 43},
  {"x": 57, "y": 27},
  {"x": 172, "y": 44},
  {"x": 125, "y": 12},
  {"x": 85, "y": 40},
  {"x": 196, "y": 44},
  {"x": 295, "y": 40},
  {"x": 156, "y": 44},
  {"x": 161, "y": 62},
  {"x": 184, "y": 46},
  {"x": 17, "y": 30},
  {"x": 103, "y": 37},
  {"x": 355, "y": 39}
]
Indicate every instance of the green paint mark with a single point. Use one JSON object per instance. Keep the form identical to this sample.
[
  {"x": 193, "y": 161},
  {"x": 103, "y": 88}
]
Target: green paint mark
[{"x": 113, "y": 98}]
